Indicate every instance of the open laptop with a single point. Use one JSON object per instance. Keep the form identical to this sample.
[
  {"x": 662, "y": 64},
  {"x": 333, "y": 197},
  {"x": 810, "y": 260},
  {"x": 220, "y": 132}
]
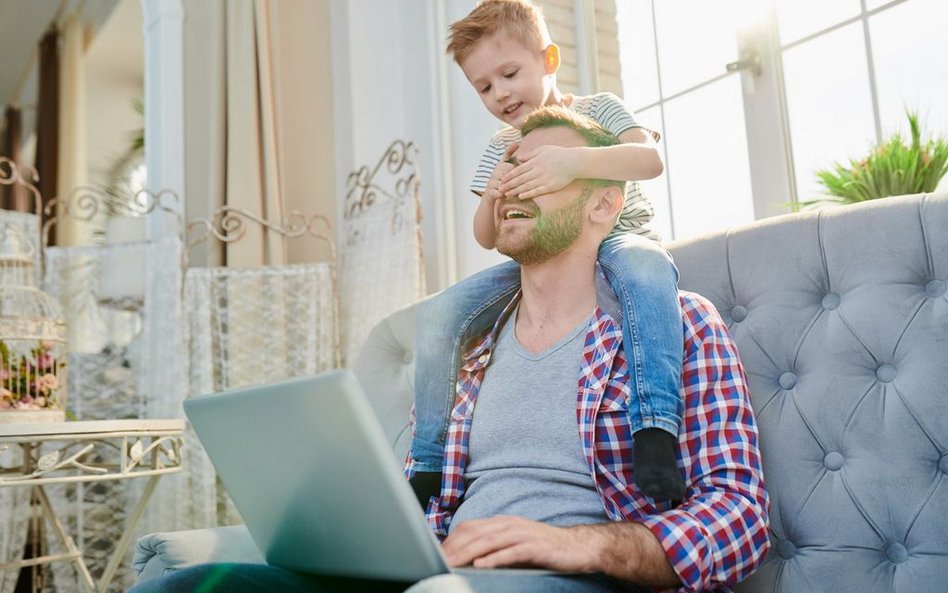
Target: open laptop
[{"x": 306, "y": 463}]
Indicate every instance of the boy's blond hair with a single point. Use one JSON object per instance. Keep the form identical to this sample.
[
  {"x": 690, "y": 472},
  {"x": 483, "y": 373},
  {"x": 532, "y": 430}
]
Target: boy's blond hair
[{"x": 516, "y": 18}]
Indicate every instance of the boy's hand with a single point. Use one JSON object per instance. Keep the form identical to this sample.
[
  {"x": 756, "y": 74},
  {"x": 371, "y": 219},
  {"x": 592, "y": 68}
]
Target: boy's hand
[
  {"x": 493, "y": 190},
  {"x": 540, "y": 171}
]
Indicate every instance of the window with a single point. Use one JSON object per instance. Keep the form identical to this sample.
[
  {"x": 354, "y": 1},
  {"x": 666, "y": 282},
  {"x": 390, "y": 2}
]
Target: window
[{"x": 833, "y": 79}]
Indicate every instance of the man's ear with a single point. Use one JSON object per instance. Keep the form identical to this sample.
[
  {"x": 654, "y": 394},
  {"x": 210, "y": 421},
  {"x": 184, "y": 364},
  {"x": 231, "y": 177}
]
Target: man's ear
[
  {"x": 551, "y": 58},
  {"x": 607, "y": 203}
]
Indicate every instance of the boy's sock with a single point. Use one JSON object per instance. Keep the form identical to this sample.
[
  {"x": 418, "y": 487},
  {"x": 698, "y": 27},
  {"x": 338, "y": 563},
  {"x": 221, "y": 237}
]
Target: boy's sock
[
  {"x": 426, "y": 485},
  {"x": 656, "y": 472}
]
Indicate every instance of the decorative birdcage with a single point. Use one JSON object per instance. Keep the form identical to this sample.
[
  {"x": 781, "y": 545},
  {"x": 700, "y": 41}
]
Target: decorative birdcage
[{"x": 32, "y": 337}]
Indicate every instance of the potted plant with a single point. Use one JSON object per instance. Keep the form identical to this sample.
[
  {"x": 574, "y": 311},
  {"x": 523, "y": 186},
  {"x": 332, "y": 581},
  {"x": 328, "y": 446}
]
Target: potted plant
[{"x": 893, "y": 168}]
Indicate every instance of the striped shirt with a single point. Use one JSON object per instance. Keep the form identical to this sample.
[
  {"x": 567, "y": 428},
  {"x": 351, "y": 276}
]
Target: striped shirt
[
  {"x": 718, "y": 536},
  {"x": 611, "y": 113}
]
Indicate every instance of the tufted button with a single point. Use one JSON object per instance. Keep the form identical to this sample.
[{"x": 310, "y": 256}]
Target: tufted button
[
  {"x": 896, "y": 553},
  {"x": 885, "y": 373},
  {"x": 786, "y": 549},
  {"x": 787, "y": 380},
  {"x": 482, "y": 358},
  {"x": 831, "y": 301},
  {"x": 943, "y": 464},
  {"x": 407, "y": 357},
  {"x": 739, "y": 313},
  {"x": 833, "y": 460},
  {"x": 935, "y": 288}
]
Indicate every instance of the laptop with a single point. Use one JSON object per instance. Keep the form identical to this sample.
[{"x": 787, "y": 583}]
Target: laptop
[{"x": 308, "y": 467}]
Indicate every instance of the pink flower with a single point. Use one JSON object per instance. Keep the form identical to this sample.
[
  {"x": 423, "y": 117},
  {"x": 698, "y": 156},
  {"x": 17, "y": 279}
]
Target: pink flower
[
  {"x": 5, "y": 404},
  {"x": 45, "y": 361},
  {"x": 40, "y": 402},
  {"x": 4, "y": 374},
  {"x": 46, "y": 384}
]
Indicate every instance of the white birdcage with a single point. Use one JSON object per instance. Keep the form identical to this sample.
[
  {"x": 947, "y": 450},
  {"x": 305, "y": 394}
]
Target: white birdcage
[{"x": 32, "y": 337}]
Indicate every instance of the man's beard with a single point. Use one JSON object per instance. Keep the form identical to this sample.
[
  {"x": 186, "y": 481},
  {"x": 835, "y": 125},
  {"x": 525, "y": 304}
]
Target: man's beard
[{"x": 552, "y": 233}]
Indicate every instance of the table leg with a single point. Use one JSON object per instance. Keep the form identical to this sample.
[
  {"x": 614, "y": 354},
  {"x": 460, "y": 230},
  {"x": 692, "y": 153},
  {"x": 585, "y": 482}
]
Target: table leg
[
  {"x": 66, "y": 540},
  {"x": 131, "y": 523}
]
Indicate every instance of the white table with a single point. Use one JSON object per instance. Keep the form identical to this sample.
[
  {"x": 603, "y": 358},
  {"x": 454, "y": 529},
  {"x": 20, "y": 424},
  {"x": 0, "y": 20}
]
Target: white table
[{"x": 54, "y": 454}]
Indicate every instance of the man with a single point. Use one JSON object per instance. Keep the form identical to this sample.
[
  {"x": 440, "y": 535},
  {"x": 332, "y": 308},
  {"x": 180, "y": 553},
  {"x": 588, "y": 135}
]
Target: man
[
  {"x": 538, "y": 469},
  {"x": 513, "y": 444}
]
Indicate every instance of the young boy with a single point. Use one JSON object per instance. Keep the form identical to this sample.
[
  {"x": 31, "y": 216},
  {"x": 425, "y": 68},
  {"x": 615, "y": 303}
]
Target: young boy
[{"x": 504, "y": 50}]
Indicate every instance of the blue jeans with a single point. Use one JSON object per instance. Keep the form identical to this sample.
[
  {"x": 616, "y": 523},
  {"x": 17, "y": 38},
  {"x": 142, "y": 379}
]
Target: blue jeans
[
  {"x": 263, "y": 578},
  {"x": 645, "y": 281}
]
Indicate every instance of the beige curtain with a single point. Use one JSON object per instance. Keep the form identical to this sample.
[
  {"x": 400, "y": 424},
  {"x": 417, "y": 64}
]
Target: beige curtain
[
  {"x": 232, "y": 137},
  {"x": 72, "y": 127},
  {"x": 258, "y": 120},
  {"x": 253, "y": 180}
]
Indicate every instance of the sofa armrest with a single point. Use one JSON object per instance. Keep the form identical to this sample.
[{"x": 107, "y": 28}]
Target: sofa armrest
[{"x": 157, "y": 554}]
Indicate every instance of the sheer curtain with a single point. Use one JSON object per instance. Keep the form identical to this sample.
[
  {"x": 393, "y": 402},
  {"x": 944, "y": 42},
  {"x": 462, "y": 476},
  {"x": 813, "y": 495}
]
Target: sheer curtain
[{"x": 111, "y": 375}]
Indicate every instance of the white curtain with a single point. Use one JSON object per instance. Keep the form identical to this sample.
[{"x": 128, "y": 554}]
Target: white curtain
[
  {"x": 110, "y": 376},
  {"x": 248, "y": 327}
]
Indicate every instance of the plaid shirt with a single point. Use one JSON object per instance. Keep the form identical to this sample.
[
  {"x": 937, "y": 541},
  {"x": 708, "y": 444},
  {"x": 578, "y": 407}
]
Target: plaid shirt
[{"x": 718, "y": 536}]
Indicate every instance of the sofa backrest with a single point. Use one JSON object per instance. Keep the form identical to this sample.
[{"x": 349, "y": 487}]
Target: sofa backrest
[{"x": 841, "y": 318}]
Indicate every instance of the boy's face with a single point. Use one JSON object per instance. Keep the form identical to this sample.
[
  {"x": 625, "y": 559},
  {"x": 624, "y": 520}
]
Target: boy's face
[{"x": 511, "y": 80}]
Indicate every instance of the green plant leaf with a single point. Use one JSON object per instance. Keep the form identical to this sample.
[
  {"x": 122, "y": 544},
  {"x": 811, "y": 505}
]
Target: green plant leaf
[{"x": 891, "y": 168}]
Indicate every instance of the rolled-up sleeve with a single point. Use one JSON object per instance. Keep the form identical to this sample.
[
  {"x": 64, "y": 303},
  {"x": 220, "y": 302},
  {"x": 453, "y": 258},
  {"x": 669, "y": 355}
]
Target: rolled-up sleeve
[{"x": 719, "y": 535}]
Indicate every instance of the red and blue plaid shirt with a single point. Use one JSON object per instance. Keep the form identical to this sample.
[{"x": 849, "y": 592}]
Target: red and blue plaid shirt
[{"x": 718, "y": 536}]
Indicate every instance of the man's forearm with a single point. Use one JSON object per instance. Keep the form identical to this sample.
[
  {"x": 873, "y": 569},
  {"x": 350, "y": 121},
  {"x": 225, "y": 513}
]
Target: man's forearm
[{"x": 627, "y": 551}]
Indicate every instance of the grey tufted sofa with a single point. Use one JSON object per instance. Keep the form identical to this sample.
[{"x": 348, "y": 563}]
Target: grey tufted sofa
[{"x": 841, "y": 317}]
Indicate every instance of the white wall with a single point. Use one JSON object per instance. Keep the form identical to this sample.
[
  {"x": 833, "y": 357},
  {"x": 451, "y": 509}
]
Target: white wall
[{"x": 392, "y": 81}]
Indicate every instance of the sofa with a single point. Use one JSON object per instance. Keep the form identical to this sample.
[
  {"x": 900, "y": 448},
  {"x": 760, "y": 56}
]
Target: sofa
[{"x": 841, "y": 318}]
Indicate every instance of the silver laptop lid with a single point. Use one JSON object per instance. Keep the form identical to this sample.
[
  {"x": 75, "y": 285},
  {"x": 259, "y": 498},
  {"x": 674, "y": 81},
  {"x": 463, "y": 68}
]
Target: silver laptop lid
[{"x": 306, "y": 464}]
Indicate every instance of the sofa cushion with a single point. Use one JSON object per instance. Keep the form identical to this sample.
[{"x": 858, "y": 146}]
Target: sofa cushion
[
  {"x": 841, "y": 319},
  {"x": 157, "y": 554}
]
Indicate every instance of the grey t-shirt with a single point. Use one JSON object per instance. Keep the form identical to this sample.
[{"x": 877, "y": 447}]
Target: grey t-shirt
[{"x": 525, "y": 457}]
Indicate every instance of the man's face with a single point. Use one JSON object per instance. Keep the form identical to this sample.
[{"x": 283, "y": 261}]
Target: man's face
[
  {"x": 511, "y": 80},
  {"x": 533, "y": 231}
]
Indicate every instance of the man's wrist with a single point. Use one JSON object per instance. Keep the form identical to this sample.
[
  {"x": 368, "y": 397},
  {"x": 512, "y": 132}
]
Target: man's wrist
[{"x": 625, "y": 550}]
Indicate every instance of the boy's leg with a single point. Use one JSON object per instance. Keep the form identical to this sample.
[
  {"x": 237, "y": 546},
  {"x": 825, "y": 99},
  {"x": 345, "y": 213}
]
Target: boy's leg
[
  {"x": 256, "y": 578},
  {"x": 444, "y": 323},
  {"x": 646, "y": 282}
]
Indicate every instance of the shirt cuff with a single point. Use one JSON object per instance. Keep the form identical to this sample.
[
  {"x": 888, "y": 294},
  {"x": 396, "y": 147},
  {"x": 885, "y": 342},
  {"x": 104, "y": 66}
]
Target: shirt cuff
[{"x": 686, "y": 544}]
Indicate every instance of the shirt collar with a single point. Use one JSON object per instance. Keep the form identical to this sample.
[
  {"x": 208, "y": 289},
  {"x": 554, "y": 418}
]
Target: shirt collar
[{"x": 479, "y": 357}]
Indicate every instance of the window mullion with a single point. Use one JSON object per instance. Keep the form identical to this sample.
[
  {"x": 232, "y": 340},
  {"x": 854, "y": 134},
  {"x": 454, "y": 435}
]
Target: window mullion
[{"x": 765, "y": 111}]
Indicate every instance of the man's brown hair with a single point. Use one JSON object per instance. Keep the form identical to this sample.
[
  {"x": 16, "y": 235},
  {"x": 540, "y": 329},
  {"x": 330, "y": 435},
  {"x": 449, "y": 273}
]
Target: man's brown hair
[
  {"x": 516, "y": 18},
  {"x": 555, "y": 116}
]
